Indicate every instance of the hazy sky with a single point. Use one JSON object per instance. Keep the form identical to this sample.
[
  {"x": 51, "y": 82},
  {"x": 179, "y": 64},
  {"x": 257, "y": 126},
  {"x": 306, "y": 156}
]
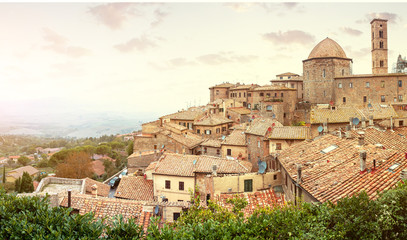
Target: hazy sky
[{"x": 156, "y": 58}]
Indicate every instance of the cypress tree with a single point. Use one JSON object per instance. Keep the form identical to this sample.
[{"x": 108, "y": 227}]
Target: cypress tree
[{"x": 4, "y": 174}]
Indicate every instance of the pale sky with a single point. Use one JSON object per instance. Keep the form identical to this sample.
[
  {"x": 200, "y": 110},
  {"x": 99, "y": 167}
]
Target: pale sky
[{"x": 153, "y": 58}]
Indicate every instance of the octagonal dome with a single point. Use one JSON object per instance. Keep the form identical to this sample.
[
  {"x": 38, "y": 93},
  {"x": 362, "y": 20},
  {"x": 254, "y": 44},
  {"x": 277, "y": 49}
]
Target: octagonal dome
[{"x": 327, "y": 48}]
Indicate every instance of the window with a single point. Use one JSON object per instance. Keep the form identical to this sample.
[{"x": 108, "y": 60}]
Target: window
[
  {"x": 223, "y": 129},
  {"x": 217, "y": 92},
  {"x": 229, "y": 152},
  {"x": 339, "y": 85},
  {"x": 292, "y": 85},
  {"x": 381, "y": 64},
  {"x": 218, "y": 130},
  {"x": 328, "y": 149},
  {"x": 400, "y": 83},
  {"x": 258, "y": 143},
  {"x": 217, "y": 151},
  {"x": 275, "y": 94},
  {"x": 383, "y": 98},
  {"x": 382, "y": 83},
  {"x": 278, "y": 146},
  {"x": 249, "y": 94},
  {"x": 181, "y": 186},
  {"x": 381, "y": 44},
  {"x": 248, "y": 156},
  {"x": 282, "y": 94},
  {"x": 176, "y": 215},
  {"x": 285, "y": 114},
  {"x": 351, "y": 85},
  {"x": 275, "y": 177},
  {"x": 343, "y": 72},
  {"x": 208, "y": 132},
  {"x": 205, "y": 150},
  {"x": 240, "y": 94},
  {"x": 368, "y": 84},
  {"x": 261, "y": 94},
  {"x": 344, "y": 99},
  {"x": 364, "y": 99},
  {"x": 380, "y": 34},
  {"x": 155, "y": 146},
  {"x": 323, "y": 73},
  {"x": 289, "y": 77},
  {"x": 231, "y": 95},
  {"x": 269, "y": 108},
  {"x": 198, "y": 131},
  {"x": 400, "y": 98},
  {"x": 268, "y": 94},
  {"x": 167, "y": 184},
  {"x": 248, "y": 185},
  {"x": 281, "y": 77},
  {"x": 324, "y": 93},
  {"x": 244, "y": 94}
]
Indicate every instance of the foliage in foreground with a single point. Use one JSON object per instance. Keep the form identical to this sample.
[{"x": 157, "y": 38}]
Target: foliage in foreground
[{"x": 356, "y": 217}]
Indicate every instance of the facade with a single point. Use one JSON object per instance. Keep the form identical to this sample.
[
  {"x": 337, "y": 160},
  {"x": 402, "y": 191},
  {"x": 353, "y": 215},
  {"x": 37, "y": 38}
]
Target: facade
[
  {"x": 290, "y": 80},
  {"x": 379, "y": 46},
  {"x": 234, "y": 145},
  {"x": 284, "y": 137},
  {"x": 212, "y": 126},
  {"x": 211, "y": 147},
  {"x": 241, "y": 93},
  {"x": 220, "y": 91}
]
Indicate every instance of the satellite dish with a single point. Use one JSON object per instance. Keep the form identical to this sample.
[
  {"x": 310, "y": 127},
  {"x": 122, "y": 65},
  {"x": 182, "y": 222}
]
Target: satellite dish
[
  {"x": 355, "y": 121},
  {"x": 262, "y": 167},
  {"x": 320, "y": 129},
  {"x": 156, "y": 210},
  {"x": 369, "y": 105},
  {"x": 194, "y": 162},
  {"x": 223, "y": 137},
  {"x": 274, "y": 116}
]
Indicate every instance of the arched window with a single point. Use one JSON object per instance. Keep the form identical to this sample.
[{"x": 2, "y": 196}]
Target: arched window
[
  {"x": 343, "y": 72},
  {"x": 381, "y": 44},
  {"x": 380, "y": 34}
]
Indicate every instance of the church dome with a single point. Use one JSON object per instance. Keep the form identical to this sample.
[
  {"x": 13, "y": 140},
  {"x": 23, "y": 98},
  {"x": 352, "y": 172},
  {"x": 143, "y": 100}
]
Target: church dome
[{"x": 327, "y": 48}]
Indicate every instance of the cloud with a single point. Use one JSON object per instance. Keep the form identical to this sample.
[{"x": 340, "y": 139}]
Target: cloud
[
  {"x": 239, "y": 6},
  {"x": 59, "y": 44},
  {"x": 290, "y": 5},
  {"x": 351, "y": 31},
  {"x": 289, "y": 37},
  {"x": 363, "y": 52},
  {"x": 67, "y": 69},
  {"x": 159, "y": 17},
  {"x": 140, "y": 44},
  {"x": 180, "y": 62},
  {"x": 225, "y": 57},
  {"x": 391, "y": 17},
  {"x": 113, "y": 15}
]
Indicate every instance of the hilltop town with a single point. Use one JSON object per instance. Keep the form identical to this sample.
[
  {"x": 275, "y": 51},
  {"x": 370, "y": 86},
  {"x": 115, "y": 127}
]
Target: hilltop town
[{"x": 316, "y": 137}]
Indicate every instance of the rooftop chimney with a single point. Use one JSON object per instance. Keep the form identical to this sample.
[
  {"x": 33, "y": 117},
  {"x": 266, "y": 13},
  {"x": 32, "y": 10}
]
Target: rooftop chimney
[
  {"x": 363, "y": 122},
  {"x": 299, "y": 173},
  {"x": 69, "y": 197},
  {"x": 403, "y": 174},
  {"x": 370, "y": 120},
  {"x": 94, "y": 190},
  {"x": 361, "y": 138},
  {"x": 214, "y": 168},
  {"x": 362, "y": 160}
]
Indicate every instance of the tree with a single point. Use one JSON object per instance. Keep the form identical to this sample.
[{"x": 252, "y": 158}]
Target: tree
[
  {"x": 103, "y": 149},
  {"x": 4, "y": 174},
  {"x": 26, "y": 183},
  {"x": 17, "y": 185},
  {"x": 77, "y": 165},
  {"x": 129, "y": 148},
  {"x": 23, "y": 160}
]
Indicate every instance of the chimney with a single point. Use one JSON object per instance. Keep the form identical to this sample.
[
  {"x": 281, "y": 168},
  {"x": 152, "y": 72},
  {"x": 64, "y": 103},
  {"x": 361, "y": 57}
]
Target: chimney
[
  {"x": 94, "y": 191},
  {"x": 370, "y": 120},
  {"x": 69, "y": 197},
  {"x": 361, "y": 138},
  {"x": 403, "y": 174},
  {"x": 350, "y": 121},
  {"x": 362, "y": 160},
  {"x": 299, "y": 173},
  {"x": 391, "y": 122},
  {"x": 363, "y": 122},
  {"x": 325, "y": 124},
  {"x": 214, "y": 168},
  {"x": 347, "y": 133}
]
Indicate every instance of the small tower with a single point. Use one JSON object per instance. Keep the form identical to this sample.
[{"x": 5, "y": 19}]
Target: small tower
[{"x": 379, "y": 46}]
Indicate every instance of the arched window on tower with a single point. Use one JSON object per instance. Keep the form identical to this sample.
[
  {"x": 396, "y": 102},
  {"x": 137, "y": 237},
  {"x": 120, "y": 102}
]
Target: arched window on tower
[
  {"x": 380, "y": 34},
  {"x": 381, "y": 44},
  {"x": 343, "y": 72}
]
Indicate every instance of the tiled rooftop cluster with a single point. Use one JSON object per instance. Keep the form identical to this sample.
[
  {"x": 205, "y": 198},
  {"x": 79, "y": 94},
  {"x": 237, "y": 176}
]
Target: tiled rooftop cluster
[
  {"x": 236, "y": 137},
  {"x": 135, "y": 188},
  {"x": 187, "y": 165},
  {"x": 260, "y": 126},
  {"x": 260, "y": 199},
  {"x": 331, "y": 167},
  {"x": 290, "y": 132}
]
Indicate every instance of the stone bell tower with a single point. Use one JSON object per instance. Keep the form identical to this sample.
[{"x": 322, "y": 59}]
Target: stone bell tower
[{"x": 379, "y": 46}]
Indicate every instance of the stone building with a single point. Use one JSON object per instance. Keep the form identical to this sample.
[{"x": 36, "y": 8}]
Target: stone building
[
  {"x": 212, "y": 126},
  {"x": 220, "y": 91},
  {"x": 234, "y": 145},
  {"x": 241, "y": 93},
  {"x": 290, "y": 80}
]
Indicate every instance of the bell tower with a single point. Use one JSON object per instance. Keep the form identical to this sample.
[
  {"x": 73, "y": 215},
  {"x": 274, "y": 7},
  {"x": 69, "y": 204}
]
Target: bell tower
[{"x": 379, "y": 46}]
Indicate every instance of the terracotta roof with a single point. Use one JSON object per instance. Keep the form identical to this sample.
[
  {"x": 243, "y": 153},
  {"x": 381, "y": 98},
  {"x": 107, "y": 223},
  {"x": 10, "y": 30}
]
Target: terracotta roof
[
  {"x": 102, "y": 190},
  {"x": 18, "y": 172},
  {"x": 290, "y": 132},
  {"x": 260, "y": 126},
  {"x": 241, "y": 110},
  {"x": 287, "y": 74},
  {"x": 151, "y": 166},
  {"x": 331, "y": 165},
  {"x": 183, "y": 165},
  {"x": 137, "y": 160},
  {"x": 223, "y": 85},
  {"x": 327, "y": 48},
  {"x": 98, "y": 167},
  {"x": 185, "y": 115},
  {"x": 340, "y": 115},
  {"x": 105, "y": 207},
  {"x": 212, "y": 121},
  {"x": 256, "y": 200},
  {"x": 237, "y": 138},
  {"x": 379, "y": 111},
  {"x": 135, "y": 188},
  {"x": 176, "y": 126},
  {"x": 212, "y": 143},
  {"x": 243, "y": 87},
  {"x": 189, "y": 140},
  {"x": 273, "y": 87},
  {"x": 387, "y": 138}
]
